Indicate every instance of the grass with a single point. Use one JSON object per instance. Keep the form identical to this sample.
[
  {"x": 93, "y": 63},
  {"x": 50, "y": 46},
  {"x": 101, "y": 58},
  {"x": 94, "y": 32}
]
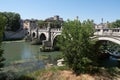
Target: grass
[
  {"x": 46, "y": 72},
  {"x": 54, "y": 73}
]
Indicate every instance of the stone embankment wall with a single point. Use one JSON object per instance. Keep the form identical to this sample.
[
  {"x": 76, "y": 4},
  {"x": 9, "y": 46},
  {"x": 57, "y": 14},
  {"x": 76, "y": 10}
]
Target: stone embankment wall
[{"x": 14, "y": 35}]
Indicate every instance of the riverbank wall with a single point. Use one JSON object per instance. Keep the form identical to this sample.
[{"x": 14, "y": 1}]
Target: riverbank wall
[{"x": 10, "y": 35}]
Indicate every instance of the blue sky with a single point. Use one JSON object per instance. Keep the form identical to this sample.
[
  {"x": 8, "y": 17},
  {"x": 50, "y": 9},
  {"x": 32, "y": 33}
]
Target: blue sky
[{"x": 67, "y": 9}]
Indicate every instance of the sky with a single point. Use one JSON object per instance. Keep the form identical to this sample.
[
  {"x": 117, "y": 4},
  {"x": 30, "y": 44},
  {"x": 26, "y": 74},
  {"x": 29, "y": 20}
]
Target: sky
[{"x": 109, "y": 10}]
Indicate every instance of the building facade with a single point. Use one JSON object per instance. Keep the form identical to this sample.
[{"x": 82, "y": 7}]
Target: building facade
[{"x": 30, "y": 24}]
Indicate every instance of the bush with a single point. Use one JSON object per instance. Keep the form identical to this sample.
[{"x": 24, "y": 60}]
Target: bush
[{"x": 77, "y": 47}]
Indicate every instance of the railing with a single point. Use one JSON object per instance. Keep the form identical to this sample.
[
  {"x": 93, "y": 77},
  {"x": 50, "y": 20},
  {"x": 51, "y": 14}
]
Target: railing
[
  {"x": 107, "y": 32},
  {"x": 52, "y": 29},
  {"x": 42, "y": 29},
  {"x": 56, "y": 29},
  {"x": 98, "y": 32}
]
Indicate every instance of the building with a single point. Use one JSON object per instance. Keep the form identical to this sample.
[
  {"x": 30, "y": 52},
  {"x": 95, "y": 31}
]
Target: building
[
  {"x": 55, "y": 18},
  {"x": 100, "y": 26},
  {"x": 30, "y": 24}
]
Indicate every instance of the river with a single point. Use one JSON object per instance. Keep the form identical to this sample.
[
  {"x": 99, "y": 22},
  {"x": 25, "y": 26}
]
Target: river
[
  {"x": 24, "y": 51},
  {"x": 20, "y": 50}
]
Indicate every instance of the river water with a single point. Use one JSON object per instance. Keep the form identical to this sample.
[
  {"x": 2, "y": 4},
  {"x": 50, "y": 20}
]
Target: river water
[
  {"x": 22, "y": 57},
  {"x": 20, "y": 50},
  {"x": 24, "y": 51}
]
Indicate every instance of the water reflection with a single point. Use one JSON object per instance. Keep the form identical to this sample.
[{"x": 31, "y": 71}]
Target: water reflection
[
  {"x": 19, "y": 51},
  {"x": 15, "y": 51}
]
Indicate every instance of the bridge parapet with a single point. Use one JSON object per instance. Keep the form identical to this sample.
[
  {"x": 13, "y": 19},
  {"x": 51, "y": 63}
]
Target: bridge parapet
[
  {"x": 43, "y": 29},
  {"x": 107, "y": 32},
  {"x": 52, "y": 29},
  {"x": 56, "y": 30}
]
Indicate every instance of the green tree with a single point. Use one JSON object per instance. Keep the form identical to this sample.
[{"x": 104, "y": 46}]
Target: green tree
[
  {"x": 115, "y": 24},
  {"x": 2, "y": 25},
  {"x": 41, "y": 23},
  {"x": 77, "y": 46},
  {"x": 56, "y": 24},
  {"x": 13, "y": 21}
]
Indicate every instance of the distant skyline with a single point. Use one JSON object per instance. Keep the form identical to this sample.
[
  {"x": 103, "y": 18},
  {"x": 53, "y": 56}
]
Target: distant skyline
[{"x": 66, "y": 9}]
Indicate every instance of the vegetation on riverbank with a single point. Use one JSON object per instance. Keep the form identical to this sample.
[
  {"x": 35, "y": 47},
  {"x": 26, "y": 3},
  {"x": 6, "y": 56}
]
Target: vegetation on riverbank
[
  {"x": 13, "y": 21},
  {"x": 2, "y": 24},
  {"x": 64, "y": 73},
  {"x": 78, "y": 47}
]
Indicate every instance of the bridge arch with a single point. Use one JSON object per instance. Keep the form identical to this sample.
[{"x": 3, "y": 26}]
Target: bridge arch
[
  {"x": 54, "y": 37},
  {"x": 42, "y": 37},
  {"x": 33, "y": 34},
  {"x": 111, "y": 39},
  {"x": 28, "y": 33},
  {"x": 105, "y": 40},
  {"x": 55, "y": 41}
]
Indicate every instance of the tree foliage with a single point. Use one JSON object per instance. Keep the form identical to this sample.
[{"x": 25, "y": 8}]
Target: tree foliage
[
  {"x": 40, "y": 23},
  {"x": 2, "y": 25},
  {"x": 13, "y": 20},
  {"x": 53, "y": 23},
  {"x": 77, "y": 45},
  {"x": 115, "y": 24},
  {"x": 56, "y": 24}
]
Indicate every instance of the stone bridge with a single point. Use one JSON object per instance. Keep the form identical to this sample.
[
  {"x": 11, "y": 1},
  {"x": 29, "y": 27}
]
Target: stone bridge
[
  {"x": 112, "y": 35},
  {"x": 48, "y": 34},
  {"x": 45, "y": 34}
]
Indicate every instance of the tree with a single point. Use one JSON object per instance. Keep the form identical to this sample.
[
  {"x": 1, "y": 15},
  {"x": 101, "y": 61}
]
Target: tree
[
  {"x": 56, "y": 23},
  {"x": 41, "y": 23},
  {"x": 77, "y": 46},
  {"x": 115, "y": 24},
  {"x": 2, "y": 25},
  {"x": 13, "y": 21},
  {"x": 16, "y": 22}
]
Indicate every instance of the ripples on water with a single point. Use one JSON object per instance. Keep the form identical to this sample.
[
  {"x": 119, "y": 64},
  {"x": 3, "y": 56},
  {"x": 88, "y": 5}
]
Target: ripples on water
[
  {"x": 23, "y": 51},
  {"x": 22, "y": 57}
]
